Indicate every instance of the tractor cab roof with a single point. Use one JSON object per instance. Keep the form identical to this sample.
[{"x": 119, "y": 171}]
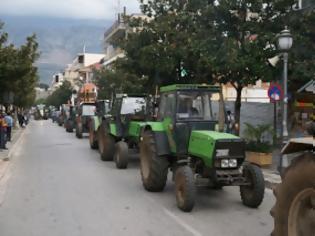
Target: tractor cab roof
[
  {"x": 131, "y": 95},
  {"x": 187, "y": 87}
]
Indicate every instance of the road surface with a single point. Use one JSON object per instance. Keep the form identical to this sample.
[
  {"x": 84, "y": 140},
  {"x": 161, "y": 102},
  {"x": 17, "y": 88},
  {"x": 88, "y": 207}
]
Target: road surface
[{"x": 58, "y": 186}]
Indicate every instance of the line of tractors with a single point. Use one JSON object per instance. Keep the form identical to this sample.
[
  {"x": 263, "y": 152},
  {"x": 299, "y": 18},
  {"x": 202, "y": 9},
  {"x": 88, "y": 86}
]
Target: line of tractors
[{"x": 183, "y": 131}]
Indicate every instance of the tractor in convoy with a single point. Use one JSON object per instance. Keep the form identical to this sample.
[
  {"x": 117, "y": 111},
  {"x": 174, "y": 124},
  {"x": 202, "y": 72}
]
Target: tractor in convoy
[
  {"x": 187, "y": 138},
  {"x": 62, "y": 114},
  {"x": 41, "y": 112},
  {"x": 120, "y": 131},
  {"x": 85, "y": 109},
  {"x": 294, "y": 211},
  {"x": 102, "y": 112},
  {"x": 69, "y": 119}
]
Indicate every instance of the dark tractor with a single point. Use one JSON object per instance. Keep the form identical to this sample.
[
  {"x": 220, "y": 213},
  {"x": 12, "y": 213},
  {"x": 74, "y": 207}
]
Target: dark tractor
[
  {"x": 187, "y": 138},
  {"x": 121, "y": 131},
  {"x": 62, "y": 114},
  {"x": 85, "y": 112},
  {"x": 102, "y": 112},
  {"x": 70, "y": 119},
  {"x": 294, "y": 210}
]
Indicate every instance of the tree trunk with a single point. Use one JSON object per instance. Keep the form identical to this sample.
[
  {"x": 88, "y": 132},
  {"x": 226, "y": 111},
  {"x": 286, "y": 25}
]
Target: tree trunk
[{"x": 237, "y": 109}]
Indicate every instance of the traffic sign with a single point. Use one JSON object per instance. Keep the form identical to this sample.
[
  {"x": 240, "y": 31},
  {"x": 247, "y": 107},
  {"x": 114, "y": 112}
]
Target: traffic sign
[{"x": 275, "y": 92}]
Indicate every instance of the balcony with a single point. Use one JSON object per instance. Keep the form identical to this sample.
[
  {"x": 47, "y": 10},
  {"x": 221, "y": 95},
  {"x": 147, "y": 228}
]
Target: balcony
[{"x": 115, "y": 32}]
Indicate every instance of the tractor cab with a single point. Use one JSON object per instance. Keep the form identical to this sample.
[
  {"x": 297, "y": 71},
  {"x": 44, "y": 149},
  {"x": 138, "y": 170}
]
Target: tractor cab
[
  {"x": 102, "y": 108},
  {"x": 186, "y": 108},
  {"x": 127, "y": 108}
]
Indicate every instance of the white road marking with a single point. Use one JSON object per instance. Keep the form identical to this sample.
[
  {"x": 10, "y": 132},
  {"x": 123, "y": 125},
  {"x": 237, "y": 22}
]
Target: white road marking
[
  {"x": 182, "y": 223},
  {"x": 177, "y": 219}
]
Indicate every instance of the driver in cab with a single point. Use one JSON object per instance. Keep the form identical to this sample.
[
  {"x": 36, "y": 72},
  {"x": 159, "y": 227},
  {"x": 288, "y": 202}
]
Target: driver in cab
[{"x": 186, "y": 107}]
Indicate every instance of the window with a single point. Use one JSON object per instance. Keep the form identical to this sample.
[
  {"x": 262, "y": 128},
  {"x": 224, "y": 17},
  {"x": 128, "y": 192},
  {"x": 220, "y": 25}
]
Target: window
[
  {"x": 196, "y": 106},
  {"x": 167, "y": 105},
  {"x": 132, "y": 105}
]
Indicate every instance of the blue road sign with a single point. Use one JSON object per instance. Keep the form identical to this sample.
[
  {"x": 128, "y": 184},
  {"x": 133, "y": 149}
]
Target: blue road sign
[{"x": 275, "y": 92}]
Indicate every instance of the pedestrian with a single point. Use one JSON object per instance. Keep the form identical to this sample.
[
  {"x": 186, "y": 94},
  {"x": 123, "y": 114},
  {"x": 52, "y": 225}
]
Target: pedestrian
[
  {"x": 230, "y": 122},
  {"x": 3, "y": 130},
  {"x": 9, "y": 120},
  {"x": 21, "y": 120}
]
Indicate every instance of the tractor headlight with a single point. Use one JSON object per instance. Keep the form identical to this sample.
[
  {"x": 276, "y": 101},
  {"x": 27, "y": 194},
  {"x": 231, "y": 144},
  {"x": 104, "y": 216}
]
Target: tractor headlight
[
  {"x": 222, "y": 152},
  {"x": 228, "y": 163},
  {"x": 233, "y": 163},
  {"x": 224, "y": 163}
]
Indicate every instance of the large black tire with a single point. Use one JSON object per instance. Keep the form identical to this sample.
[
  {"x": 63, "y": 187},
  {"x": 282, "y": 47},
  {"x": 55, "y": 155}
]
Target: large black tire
[
  {"x": 78, "y": 130},
  {"x": 153, "y": 168},
  {"x": 121, "y": 155},
  {"x": 297, "y": 179},
  {"x": 185, "y": 188},
  {"x": 252, "y": 195},
  {"x": 92, "y": 138},
  {"x": 106, "y": 144}
]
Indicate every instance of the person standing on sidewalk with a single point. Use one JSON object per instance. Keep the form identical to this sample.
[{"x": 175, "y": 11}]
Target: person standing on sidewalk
[
  {"x": 3, "y": 127},
  {"x": 9, "y": 120}
]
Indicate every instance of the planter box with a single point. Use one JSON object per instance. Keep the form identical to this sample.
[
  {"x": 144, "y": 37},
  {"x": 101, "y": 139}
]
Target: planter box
[{"x": 258, "y": 158}]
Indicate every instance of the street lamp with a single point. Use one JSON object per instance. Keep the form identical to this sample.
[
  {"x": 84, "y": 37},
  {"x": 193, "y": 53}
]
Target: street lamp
[{"x": 285, "y": 42}]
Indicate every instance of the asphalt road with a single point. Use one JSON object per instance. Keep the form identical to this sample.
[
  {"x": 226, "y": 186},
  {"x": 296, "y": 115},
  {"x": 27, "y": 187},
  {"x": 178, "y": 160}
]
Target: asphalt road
[{"x": 59, "y": 187}]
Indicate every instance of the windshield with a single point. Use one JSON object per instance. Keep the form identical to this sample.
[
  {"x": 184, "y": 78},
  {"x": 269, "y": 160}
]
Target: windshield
[
  {"x": 132, "y": 105},
  {"x": 197, "y": 106},
  {"x": 88, "y": 110}
]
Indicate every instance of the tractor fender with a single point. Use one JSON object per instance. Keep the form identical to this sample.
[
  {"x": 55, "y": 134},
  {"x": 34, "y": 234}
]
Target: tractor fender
[{"x": 161, "y": 140}]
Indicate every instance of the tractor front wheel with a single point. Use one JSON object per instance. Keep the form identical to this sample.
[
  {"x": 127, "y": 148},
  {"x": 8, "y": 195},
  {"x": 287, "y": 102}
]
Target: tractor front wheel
[
  {"x": 185, "y": 188},
  {"x": 106, "y": 144},
  {"x": 253, "y": 194},
  {"x": 154, "y": 168},
  {"x": 121, "y": 155},
  {"x": 294, "y": 211}
]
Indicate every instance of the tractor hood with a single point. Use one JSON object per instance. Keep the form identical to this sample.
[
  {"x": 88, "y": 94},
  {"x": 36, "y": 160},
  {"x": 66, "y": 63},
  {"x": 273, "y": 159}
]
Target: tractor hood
[{"x": 203, "y": 144}]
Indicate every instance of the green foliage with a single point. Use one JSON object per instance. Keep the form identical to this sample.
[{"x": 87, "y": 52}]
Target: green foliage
[
  {"x": 110, "y": 82},
  {"x": 40, "y": 101},
  {"x": 254, "y": 136},
  {"x": 17, "y": 71},
  {"x": 60, "y": 96}
]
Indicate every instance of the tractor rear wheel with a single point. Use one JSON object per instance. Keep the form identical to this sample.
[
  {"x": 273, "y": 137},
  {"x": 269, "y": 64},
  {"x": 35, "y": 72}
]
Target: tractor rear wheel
[
  {"x": 294, "y": 211},
  {"x": 106, "y": 144},
  {"x": 121, "y": 155},
  {"x": 153, "y": 168},
  {"x": 252, "y": 195},
  {"x": 92, "y": 138},
  {"x": 185, "y": 188}
]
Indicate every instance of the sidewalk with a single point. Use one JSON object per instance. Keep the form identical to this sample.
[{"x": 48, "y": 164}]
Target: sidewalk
[
  {"x": 272, "y": 178},
  {"x": 5, "y": 154}
]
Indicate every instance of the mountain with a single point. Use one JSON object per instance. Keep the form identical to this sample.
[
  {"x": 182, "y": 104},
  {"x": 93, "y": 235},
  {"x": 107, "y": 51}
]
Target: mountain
[{"x": 60, "y": 40}]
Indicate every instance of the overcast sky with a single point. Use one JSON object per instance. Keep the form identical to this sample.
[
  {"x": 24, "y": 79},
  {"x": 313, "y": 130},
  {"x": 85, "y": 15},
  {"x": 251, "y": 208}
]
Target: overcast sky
[{"x": 90, "y": 9}]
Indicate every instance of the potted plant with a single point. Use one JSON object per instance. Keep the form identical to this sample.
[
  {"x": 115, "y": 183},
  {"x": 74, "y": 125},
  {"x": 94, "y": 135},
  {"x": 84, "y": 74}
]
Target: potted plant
[{"x": 258, "y": 149}]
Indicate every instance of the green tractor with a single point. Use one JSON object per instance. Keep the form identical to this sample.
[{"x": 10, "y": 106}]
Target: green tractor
[
  {"x": 85, "y": 112},
  {"x": 121, "y": 131},
  {"x": 102, "y": 112},
  {"x": 186, "y": 138}
]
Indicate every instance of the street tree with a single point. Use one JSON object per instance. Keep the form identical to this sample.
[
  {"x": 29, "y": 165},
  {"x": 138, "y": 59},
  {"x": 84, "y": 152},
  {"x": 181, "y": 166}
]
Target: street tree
[
  {"x": 61, "y": 95},
  {"x": 116, "y": 80},
  {"x": 18, "y": 74}
]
